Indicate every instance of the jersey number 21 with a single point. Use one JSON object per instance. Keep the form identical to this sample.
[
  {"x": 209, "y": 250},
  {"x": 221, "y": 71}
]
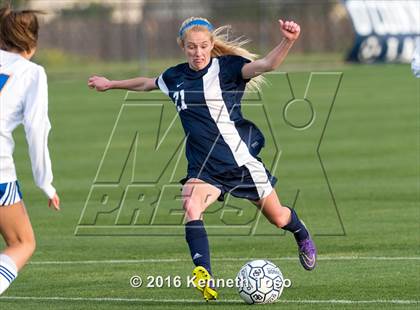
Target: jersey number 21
[{"x": 179, "y": 98}]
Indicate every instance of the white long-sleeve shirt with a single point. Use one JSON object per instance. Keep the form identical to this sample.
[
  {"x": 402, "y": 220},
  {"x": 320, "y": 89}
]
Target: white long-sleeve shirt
[{"x": 24, "y": 100}]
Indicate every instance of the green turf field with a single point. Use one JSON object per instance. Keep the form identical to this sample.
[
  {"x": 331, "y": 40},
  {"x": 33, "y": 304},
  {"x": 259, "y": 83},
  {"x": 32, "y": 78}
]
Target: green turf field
[{"x": 368, "y": 240}]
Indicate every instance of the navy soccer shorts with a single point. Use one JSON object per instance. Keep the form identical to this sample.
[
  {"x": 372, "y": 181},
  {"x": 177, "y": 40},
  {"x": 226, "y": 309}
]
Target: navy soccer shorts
[
  {"x": 9, "y": 193},
  {"x": 252, "y": 182}
]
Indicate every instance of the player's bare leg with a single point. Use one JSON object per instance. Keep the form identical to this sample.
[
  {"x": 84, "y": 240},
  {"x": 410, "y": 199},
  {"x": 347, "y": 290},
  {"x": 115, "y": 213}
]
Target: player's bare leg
[
  {"x": 287, "y": 219},
  {"x": 272, "y": 209},
  {"x": 16, "y": 229},
  {"x": 197, "y": 195}
]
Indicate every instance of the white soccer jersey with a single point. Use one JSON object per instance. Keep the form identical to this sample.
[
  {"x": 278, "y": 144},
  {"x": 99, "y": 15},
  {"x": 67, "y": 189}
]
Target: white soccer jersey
[{"x": 24, "y": 100}]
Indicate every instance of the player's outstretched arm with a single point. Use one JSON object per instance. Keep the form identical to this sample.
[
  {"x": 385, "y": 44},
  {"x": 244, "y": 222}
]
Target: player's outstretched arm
[
  {"x": 101, "y": 83},
  {"x": 291, "y": 32}
]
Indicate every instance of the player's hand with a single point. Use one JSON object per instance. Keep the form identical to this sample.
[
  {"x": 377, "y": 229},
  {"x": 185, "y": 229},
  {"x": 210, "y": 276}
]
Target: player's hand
[
  {"x": 54, "y": 202},
  {"x": 289, "y": 29},
  {"x": 100, "y": 83}
]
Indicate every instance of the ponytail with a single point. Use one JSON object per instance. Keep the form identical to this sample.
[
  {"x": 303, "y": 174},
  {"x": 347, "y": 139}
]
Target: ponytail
[{"x": 224, "y": 46}]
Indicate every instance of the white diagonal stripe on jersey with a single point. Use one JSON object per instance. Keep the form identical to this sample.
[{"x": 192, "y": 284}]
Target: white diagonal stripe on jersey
[
  {"x": 220, "y": 115},
  {"x": 258, "y": 174}
]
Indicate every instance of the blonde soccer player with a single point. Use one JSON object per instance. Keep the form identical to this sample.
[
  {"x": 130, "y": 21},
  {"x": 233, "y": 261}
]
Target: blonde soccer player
[
  {"x": 222, "y": 147},
  {"x": 23, "y": 100}
]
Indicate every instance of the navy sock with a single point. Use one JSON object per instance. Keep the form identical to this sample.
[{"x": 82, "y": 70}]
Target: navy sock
[
  {"x": 296, "y": 227},
  {"x": 196, "y": 237}
]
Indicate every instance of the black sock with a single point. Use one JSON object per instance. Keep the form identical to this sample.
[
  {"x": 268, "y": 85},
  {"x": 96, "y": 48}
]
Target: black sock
[
  {"x": 196, "y": 237},
  {"x": 296, "y": 227}
]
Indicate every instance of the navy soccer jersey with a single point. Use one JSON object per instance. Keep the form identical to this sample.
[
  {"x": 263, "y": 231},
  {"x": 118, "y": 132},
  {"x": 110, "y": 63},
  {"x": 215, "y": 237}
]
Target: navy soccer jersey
[{"x": 208, "y": 101}]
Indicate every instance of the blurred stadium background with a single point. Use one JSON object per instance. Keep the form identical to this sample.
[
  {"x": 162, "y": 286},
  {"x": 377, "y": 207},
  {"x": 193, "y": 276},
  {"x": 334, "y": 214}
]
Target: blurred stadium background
[
  {"x": 129, "y": 30},
  {"x": 144, "y": 30},
  {"x": 370, "y": 259}
]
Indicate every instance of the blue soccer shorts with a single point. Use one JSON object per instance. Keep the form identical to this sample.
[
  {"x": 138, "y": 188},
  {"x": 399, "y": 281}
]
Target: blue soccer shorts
[{"x": 9, "y": 193}]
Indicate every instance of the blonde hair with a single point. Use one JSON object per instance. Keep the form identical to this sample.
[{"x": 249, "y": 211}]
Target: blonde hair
[{"x": 224, "y": 46}]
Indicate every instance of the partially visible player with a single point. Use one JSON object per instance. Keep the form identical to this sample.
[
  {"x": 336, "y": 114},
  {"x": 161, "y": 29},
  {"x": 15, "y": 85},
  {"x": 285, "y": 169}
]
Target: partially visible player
[
  {"x": 415, "y": 64},
  {"x": 23, "y": 100},
  {"x": 222, "y": 147}
]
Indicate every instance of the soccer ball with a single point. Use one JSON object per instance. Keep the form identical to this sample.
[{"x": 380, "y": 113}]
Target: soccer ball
[{"x": 260, "y": 282}]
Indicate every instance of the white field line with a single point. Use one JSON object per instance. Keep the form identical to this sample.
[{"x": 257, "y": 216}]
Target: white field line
[
  {"x": 195, "y": 301},
  {"x": 222, "y": 259}
]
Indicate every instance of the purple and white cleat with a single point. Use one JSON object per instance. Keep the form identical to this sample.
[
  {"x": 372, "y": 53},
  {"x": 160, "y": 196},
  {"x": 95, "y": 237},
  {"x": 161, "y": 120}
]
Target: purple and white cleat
[{"x": 307, "y": 253}]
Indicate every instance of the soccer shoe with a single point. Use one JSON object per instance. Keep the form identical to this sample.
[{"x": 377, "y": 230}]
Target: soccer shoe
[
  {"x": 307, "y": 253},
  {"x": 201, "y": 282},
  {"x": 210, "y": 293}
]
